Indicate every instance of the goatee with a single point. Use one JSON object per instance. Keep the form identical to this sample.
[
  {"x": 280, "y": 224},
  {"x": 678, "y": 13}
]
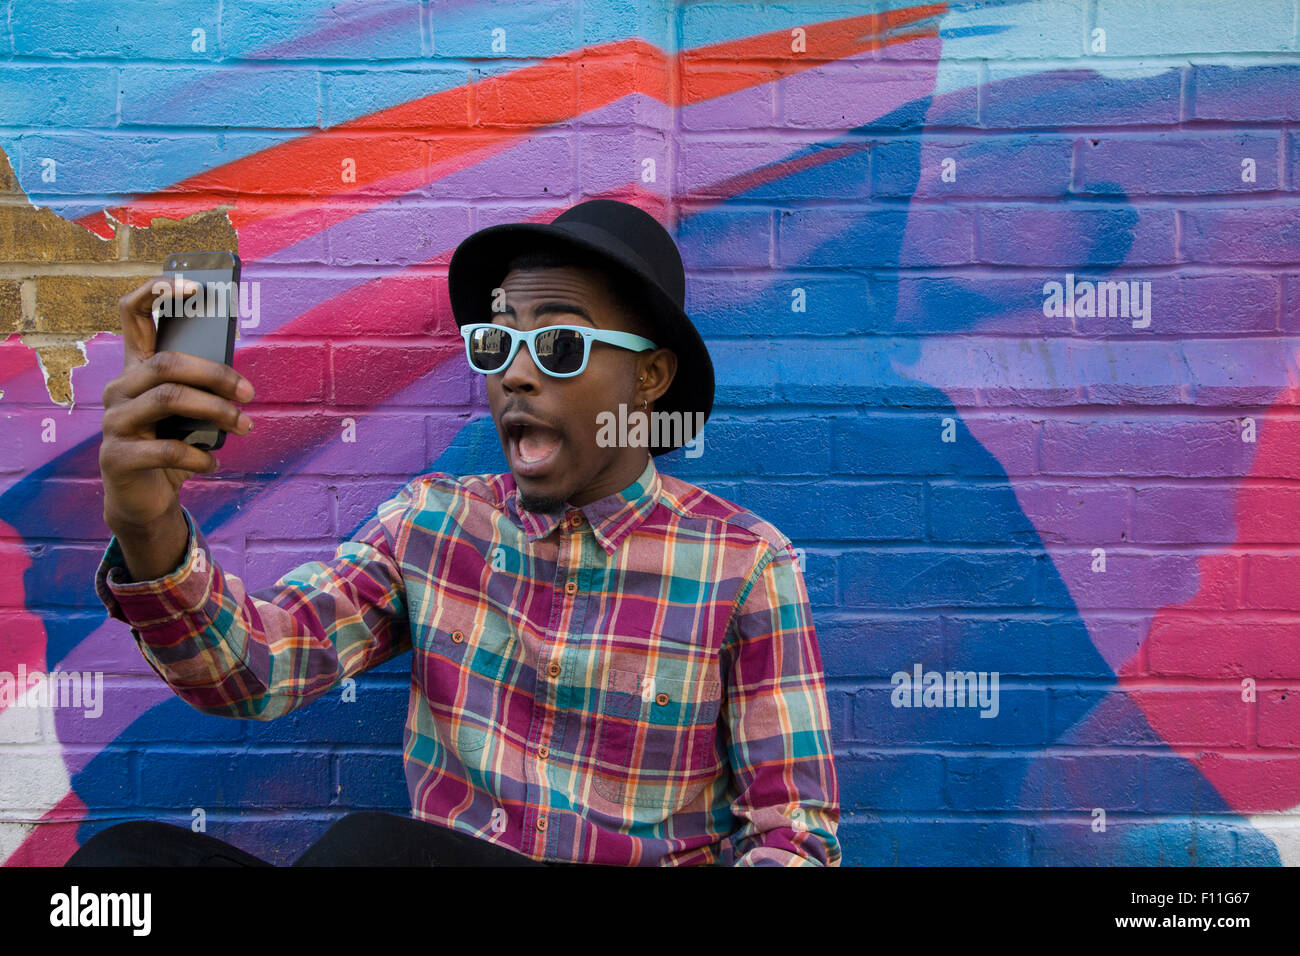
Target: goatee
[{"x": 539, "y": 504}]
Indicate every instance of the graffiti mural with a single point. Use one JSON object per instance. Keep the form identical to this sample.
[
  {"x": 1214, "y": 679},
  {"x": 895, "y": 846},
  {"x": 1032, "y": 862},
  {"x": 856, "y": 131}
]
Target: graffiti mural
[{"x": 1003, "y": 300}]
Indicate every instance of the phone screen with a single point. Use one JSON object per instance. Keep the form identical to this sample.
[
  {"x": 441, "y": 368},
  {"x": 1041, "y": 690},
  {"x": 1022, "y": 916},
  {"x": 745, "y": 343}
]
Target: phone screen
[{"x": 201, "y": 324}]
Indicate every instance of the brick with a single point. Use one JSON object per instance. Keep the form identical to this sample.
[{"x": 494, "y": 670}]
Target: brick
[
  {"x": 80, "y": 304},
  {"x": 1078, "y": 236},
  {"x": 751, "y": 106},
  {"x": 35, "y": 234},
  {"x": 1004, "y": 166},
  {"x": 226, "y": 778},
  {"x": 535, "y": 96},
  {"x": 8, "y": 184},
  {"x": 548, "y": 29},
  {"x": 255, "y": 27},
  {"x": 1185, "y": 514},
  {"x": 11, "y": 306},
  {"x": 375, "y": 718},
  {"x": 1197, "y": 716},
  {"x": 1057, "y": 783},
  {"x": 1021, "y": 643},
  {"x": 1177, "y": 164},
  {"x": 1279, "y": 717},
  {"x": 804, "y": 444},
  {"x": 538, "y": 167},
  {"x": 1154, "y": 446},
  {"x": 354, "y": 369},
  {"x": 372, "y": 781},
  {"x": 130, "y": 29},
  {"x": 912, "y": 782},
  {"x": 1261, "y": 233},
  {"x": 1197, "y": 29},
  {"x": 936, "y": 578},
  {"x": 865, "y": 239},
  {"x": 1021, "y": 719},
  {"x": 284, "y": 372},
  {"x": 900, "y": 443},
  {"x": 1134, "y": 841},
  {"x": 1259, "y": 93},
  {"x": 1270, "y": 582},
  {"x": 383, "y": 443},
  {"x": 993, "y": 514},
  {"x": 944, "y": 842},
  {"x": 1062, "y": 98},
  {"x": 942, "y": 305},
  {"x": 398, "y": 233},
  {"x": 82, "y": 171},
  {"x": 355, "y": 95},
  {"x": 279, "y": 99},
  {"x": 1134, "y": 579},
  {"x": 77, "y": 95},
  {"x": 729, "y": 306},
  {"x": 844, "y": 512},
  {"x": 1085, "y": 717},
  {"x": 608, "y": 161},
  {"x": 1219, "y": 304},
  {"x": 726, "y": 238},
  {"x": 877, "y": 646},
  {"x": 209, "y": 230},
  {"x": 876, "y": 97}
]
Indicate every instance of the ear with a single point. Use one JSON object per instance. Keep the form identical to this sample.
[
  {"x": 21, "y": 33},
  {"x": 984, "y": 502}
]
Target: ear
[{"x": 655, "y": 373}]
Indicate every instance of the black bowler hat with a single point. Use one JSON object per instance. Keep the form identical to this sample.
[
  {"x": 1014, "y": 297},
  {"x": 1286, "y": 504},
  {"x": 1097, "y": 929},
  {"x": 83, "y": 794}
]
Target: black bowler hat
[{"x": 635, "y": 249}]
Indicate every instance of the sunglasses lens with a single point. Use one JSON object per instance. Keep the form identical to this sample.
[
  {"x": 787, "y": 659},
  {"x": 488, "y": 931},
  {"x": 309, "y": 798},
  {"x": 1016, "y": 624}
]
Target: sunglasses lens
[
  {"x": 488, "y": 348},
  {"x": 560, "y": 350}
]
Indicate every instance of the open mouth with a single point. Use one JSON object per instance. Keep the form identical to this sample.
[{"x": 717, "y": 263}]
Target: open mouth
[{"x": 533, "y": 448}]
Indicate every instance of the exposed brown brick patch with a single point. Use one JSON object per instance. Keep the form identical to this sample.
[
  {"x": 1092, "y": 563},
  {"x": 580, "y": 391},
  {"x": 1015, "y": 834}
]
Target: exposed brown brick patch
[
  {"x": 81, "y": 305},
  {"x": 72, "y": 279},
  {"x": 206, "y": 231},
  {"x": 11, "y": 307},
  {"x": 31, "y": 234},
  {"x": 59, "y": 361},
  {"x": 8, "y": 181}
]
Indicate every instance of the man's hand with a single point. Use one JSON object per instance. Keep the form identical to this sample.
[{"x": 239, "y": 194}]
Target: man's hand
[{"x": 142, "y": 474}]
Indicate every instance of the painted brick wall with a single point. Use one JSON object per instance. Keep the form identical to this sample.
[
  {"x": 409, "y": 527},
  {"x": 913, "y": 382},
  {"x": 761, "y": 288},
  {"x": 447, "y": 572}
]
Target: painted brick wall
[{"x": 895, "y": 219}]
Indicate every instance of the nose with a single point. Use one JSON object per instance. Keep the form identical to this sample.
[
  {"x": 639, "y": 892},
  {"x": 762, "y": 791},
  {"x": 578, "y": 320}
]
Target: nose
[{"x": 523, "y": 375}]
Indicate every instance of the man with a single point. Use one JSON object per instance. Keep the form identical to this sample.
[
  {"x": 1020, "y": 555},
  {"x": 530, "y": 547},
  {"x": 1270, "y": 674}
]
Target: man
[{"x": 609, "y": 665}]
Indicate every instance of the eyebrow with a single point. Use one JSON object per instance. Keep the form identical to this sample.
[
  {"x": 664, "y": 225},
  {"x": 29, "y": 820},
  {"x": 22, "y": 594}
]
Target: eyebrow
[{"x": 551, "y": 308}]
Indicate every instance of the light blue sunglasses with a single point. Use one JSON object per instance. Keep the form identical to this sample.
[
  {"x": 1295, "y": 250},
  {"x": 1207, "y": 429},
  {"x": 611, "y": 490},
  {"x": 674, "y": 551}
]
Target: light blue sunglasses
[{"x": 561, "y": 351}]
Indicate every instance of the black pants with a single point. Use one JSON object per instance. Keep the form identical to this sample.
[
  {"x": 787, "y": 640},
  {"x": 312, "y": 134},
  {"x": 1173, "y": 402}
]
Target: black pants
[{"x": 359, "y": 839}]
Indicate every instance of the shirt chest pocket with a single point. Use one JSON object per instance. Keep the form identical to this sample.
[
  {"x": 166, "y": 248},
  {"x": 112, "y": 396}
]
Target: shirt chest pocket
[
  {"x": 467, "y": 656},
  {"x": 657, "y": 742}
]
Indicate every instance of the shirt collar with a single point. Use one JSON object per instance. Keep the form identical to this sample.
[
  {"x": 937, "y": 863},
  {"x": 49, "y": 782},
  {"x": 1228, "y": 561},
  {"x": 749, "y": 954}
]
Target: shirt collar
[{"x": 612, "y": 518}]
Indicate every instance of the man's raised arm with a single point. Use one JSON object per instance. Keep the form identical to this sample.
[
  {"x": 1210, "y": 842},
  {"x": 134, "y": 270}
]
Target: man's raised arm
[{"x": 221, "y": 649}]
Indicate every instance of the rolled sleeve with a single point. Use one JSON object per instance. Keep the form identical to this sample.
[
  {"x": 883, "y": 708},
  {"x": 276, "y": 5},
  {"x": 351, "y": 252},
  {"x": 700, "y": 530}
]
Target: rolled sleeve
[{"x": 259, "y": 655}]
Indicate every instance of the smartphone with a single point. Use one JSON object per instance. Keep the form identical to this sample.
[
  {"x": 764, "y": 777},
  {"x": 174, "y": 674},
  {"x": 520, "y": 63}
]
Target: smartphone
[{"x": 201, "y": 324}]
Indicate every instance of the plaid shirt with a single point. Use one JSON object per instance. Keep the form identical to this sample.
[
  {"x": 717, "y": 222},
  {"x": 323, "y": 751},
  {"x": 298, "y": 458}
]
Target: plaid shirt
[{"x": 636, "y": 681}]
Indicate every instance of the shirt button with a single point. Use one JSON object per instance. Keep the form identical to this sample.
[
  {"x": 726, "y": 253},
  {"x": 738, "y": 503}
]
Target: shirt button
[
  {"x": 553, "y": 668},
  {"x": 661, "y": 700},
  {"x": 541, "y": 823},
  {"x": 575, "y": 520},
  {"x": 457, "y": 637},
  {"x": 571, "y": 587},
  {"x": 543, "y": 753}
]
